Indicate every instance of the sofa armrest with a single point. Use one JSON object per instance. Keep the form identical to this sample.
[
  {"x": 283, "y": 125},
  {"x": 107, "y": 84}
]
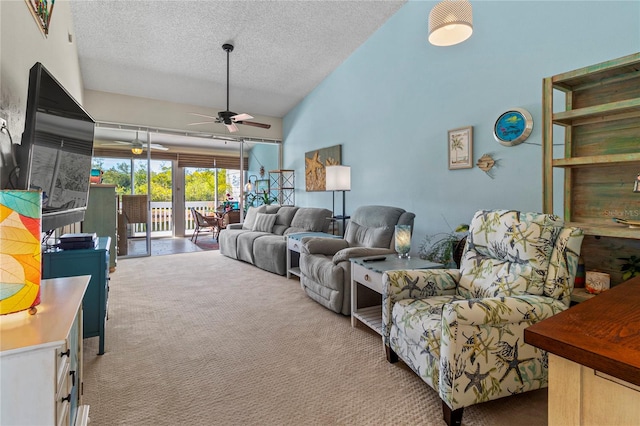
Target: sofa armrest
[
  {"x": 351, "y": 252},
  {"x": 234, "y": 226},
  {"x": 326, "y": 246}
]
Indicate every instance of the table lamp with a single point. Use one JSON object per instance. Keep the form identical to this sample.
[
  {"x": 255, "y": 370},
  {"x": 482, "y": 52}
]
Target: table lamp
[
  {"x": 20, "y": 268},
  {"x": 403, "y": 241}
]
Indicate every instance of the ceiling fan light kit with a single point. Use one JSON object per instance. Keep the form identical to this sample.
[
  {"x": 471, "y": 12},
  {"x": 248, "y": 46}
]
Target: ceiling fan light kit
[
  {"x": 137, "y": 145},
  {"x": 229, "y": 118},
  {"x": 450, "y": 22}
]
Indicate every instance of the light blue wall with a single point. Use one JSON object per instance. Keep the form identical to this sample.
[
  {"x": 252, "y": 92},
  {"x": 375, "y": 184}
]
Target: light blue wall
[{"x": 392, "y": 101}]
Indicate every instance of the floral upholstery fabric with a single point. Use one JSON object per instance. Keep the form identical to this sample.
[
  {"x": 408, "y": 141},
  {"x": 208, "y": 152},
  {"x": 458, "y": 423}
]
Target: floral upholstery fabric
[{"x": 462, "y": 331}]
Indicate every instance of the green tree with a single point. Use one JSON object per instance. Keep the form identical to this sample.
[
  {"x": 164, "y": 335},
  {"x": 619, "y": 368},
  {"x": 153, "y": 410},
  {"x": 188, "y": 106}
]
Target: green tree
[
  {"x": 200, "y": 185},
  {"x": 120, "y": 175},
  {"x": 161, "y": 184}
]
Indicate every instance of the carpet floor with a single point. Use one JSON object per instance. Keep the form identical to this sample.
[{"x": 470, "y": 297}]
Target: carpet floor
[{"x": 201, "y": 339}]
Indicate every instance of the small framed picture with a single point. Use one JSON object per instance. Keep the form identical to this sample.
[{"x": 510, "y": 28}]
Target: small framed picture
[
  {"x": 461, "y": 148},
  {"x": 262, "y": 186}
]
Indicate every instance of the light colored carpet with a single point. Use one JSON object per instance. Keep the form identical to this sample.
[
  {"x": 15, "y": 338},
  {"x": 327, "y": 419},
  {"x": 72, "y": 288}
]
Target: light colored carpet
[{"x": 200, "y": 339}]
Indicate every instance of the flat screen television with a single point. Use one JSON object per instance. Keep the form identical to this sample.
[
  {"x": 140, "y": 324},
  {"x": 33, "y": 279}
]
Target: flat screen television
[{"x": 56, "y": 150}]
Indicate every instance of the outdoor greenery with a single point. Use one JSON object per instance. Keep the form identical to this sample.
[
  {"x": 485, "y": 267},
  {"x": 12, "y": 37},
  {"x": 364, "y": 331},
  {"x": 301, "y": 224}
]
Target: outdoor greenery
[{"x": 199, "y": 184}]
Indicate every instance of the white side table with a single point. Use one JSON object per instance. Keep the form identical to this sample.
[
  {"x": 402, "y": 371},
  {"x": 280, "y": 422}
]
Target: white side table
[
  {"x": 369, "y": 274},
  {"x": 294, "y": 242}
]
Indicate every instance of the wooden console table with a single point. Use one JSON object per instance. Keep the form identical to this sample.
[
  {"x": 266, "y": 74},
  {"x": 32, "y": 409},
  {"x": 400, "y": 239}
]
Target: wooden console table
[{"x": 594, "y": 358}]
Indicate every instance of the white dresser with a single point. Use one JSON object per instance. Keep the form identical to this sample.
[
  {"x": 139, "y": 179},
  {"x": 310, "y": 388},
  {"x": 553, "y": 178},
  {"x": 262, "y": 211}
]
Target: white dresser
[{"x": 41, "y": 358}]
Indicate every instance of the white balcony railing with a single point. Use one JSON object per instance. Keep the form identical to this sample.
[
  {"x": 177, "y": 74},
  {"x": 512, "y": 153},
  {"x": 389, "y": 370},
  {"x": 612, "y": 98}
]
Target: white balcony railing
[{"x": 162, "y": 217}]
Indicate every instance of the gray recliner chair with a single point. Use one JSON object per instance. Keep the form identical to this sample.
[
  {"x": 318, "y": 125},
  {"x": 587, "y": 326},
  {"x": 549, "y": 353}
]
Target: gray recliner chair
[{"x": 324, "y": 262}]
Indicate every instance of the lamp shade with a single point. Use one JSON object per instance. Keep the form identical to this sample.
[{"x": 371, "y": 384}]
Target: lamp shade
[
  {"x": 20, "y": 258},
  {"x": 450, "y": 22},
  {"x": 338, "y": 178}
]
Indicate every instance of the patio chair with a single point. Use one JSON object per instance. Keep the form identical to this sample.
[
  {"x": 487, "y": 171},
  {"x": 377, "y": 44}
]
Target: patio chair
[
  {"x": 203, "y": 225},
  {"x": 231, "y": 216}
]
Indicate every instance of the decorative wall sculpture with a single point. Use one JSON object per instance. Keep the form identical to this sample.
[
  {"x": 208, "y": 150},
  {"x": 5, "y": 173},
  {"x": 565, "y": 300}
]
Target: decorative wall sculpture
[{"x": 315, "y": 163}]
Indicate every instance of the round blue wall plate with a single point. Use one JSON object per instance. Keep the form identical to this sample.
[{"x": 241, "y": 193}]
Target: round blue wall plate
[{"x": 513, "y": 127}]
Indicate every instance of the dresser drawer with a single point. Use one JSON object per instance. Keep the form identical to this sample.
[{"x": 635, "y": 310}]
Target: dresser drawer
[
  {"x": 367, "y": 277},
  {"x": 63, "y": 363},
  {"x": 63, "y": 394}
]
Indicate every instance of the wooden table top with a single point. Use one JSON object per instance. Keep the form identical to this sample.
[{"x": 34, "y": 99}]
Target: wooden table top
[{"x": 602, "y": 333}]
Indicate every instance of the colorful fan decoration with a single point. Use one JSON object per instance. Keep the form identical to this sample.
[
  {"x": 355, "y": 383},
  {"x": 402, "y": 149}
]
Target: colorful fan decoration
[{"x": 20, "y": 267}]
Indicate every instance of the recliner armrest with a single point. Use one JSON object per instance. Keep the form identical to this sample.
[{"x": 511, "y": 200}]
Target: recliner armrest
[
  {"x": 414, "y": 284},
  {"x": 326, "y": 246},
  {"x": 348, "y": 253},
  {"x": 498, "y": 311}
]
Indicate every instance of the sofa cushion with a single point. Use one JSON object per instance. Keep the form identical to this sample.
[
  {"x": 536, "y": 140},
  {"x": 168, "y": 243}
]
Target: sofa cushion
[
  {"x": 272, "y": 209},
  {"x": 308, "y": 219},
  {"x": 250, "y": 217},
  {"x": 270, "y": 253},
  {"x": 285, "y": 215},
  {"x": 245, "y": 242},
  {"x": 364, "y": 236},
  {"x": 228, "y": 241},
  {"x": 264, "y": 222}
]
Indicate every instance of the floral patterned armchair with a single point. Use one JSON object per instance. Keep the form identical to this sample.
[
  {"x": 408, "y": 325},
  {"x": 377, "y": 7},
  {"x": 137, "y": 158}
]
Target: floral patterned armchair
[{"x": 462, "y": 330}]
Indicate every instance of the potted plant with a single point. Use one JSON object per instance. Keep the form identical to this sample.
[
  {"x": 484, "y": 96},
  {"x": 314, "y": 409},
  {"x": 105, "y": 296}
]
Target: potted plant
[
  {"x": 266, "y": 198},
  {"x": 440, "y": 247},
  {"x": 631, "y": 267}
]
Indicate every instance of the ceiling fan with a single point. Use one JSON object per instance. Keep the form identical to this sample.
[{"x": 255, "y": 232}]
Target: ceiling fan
[
  {"x": 137, "y": 145},
  {"x": 228, "y": 118}
]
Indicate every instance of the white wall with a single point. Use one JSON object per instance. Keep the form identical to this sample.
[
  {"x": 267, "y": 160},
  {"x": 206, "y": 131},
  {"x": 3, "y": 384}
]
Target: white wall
[
  {"x": 112, "y": 107},
  {"x": 22, "y": 45},
  {"x": 391, "y": 103}
]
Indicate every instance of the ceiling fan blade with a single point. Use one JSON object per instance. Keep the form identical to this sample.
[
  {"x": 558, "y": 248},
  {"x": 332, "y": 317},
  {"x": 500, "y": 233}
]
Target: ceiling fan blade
[
  {"x": 202, "y": 122},
  {"x": 115, "y": 143},
  {"x": 254, "y": 124},
  {"x": 241, "y": 117},
  {"x": 232, "y": 127},
  {"x": 203, "y": 115},
  {"x": 159, "y": 147}
]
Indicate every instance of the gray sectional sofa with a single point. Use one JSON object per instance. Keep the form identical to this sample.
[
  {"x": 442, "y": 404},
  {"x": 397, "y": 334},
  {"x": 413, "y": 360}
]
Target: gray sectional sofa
[{"x": 261, "y": 239}]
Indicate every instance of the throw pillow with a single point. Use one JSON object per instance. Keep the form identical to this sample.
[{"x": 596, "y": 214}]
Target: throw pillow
[
  {"x": 264, "y": 222},
  {"x": 250, "y": 217}
]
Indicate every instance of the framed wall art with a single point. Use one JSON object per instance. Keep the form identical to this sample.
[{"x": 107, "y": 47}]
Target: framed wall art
[
  {"x": 41, "y": 11},
  {"x": 460, "y": 146},
  {"x": 315, "y": 163}
]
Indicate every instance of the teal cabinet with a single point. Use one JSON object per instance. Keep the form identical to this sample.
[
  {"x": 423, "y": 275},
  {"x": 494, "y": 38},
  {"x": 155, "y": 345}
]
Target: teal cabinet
[{"x": 95, "y": 262}]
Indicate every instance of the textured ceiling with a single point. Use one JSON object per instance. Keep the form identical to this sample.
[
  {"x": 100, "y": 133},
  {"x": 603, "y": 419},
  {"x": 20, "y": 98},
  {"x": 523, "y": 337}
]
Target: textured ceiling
[{"x": 171, "y": 50}]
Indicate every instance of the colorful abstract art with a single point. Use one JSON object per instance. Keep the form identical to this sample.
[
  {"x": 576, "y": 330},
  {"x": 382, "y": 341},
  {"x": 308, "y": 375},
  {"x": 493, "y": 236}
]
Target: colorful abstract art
[{"x": 20, "y": 267}]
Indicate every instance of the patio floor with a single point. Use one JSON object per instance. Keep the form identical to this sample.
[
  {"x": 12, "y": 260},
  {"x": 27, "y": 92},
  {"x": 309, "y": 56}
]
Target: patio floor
[{"x": 169, "y": 245}]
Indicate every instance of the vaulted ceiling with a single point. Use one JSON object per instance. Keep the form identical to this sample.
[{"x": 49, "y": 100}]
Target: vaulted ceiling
[{"x": 171, "y": 50}]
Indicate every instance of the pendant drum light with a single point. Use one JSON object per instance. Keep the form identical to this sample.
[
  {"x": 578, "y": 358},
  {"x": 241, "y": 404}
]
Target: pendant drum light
[{"x": 450, "y": 22}]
